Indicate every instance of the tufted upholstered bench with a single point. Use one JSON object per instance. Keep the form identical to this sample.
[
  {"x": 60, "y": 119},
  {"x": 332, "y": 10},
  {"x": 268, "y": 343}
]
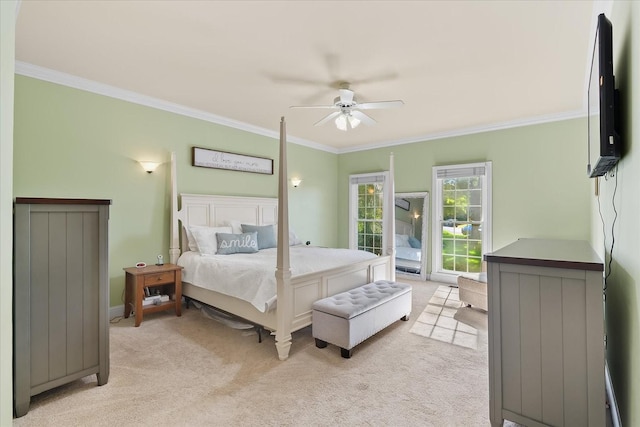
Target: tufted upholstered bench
[{"x": 348, "y": 318}]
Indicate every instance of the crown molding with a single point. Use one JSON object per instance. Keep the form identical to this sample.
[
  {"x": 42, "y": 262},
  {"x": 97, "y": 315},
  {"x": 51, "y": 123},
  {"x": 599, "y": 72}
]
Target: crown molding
[
  {"x": 57, "y": 77},
  {"x": 473, "y": 130}
]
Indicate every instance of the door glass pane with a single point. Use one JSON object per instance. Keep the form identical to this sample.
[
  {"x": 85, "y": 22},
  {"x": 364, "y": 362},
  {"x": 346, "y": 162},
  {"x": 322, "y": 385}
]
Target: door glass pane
[
  {"x": 461, "y": 224},
  {"x": 369, "y": 222}
]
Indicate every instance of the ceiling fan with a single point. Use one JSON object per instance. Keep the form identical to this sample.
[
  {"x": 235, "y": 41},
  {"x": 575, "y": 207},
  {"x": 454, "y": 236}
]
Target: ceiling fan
[{"x": 349, "y": 115}]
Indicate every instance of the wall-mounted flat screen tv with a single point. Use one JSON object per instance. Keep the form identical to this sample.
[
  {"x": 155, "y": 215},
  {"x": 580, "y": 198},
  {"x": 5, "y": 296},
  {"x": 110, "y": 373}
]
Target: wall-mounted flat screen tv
[{"x": 604, "y": 140}]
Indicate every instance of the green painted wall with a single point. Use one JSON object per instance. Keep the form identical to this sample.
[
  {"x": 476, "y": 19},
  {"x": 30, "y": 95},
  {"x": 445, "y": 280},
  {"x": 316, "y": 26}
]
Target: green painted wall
[
  {"x": 72, "y": 143},
  {"x": 623, "y": 297},
  {"x": 539, "y": 187}
]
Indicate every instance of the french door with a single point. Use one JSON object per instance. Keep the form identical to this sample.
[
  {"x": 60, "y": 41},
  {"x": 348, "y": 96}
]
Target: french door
[
  {"x": 462, "y": 219},
  {"x": 367, "y": 207}
]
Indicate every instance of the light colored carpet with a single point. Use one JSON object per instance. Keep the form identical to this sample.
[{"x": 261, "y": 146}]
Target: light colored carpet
[{"x": 192, "y": 371}]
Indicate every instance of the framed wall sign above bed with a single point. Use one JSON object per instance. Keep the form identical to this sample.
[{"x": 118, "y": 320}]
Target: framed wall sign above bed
[{"x": 208, "y": 158}]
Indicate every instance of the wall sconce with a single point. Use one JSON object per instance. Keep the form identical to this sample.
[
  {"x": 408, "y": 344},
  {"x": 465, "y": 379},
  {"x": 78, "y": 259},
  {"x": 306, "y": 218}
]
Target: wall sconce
[
  {"x": 416, "y": 215},
  {"x": 149, "y": 166},
  {"x": 295, "y": 182}
]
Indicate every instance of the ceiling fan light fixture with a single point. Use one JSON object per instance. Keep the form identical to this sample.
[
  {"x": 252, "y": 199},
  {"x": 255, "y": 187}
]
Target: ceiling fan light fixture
[
  {"x": 353, "y": 121},
  {"x": 345, "y": 121},
  {"x": 341, "y": 122},
  {"x": 347, "y": 114}
]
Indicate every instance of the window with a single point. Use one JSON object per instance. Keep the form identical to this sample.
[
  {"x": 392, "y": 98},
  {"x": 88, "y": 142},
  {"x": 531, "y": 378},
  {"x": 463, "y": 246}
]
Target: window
[
  {"x": 462, "y": 219},
  {"x": 366, "y": 210}
]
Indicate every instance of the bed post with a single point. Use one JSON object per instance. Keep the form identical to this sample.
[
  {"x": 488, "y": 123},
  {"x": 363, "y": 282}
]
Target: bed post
[
  {"x": 390, "y": 226},
  {"x": 174, "y": 234},
  {"x": 283, "y": 269}
]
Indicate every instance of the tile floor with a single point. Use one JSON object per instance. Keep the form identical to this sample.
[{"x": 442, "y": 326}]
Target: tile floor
[{"x": 437, "y": 320}]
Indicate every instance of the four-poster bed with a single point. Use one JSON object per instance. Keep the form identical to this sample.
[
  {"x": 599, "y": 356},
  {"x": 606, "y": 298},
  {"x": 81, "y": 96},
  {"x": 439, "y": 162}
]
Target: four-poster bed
[{"x": 290, "y": 309}]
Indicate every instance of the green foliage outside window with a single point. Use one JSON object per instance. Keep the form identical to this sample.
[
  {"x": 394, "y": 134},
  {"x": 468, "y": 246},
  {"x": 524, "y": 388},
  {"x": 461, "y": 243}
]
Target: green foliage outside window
[
  {"x": 370, "y": 204},
  {"x": 462, "y": 222}
]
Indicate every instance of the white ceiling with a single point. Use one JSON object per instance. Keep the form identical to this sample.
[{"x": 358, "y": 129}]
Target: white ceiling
[{"x": 459, "y": 66}]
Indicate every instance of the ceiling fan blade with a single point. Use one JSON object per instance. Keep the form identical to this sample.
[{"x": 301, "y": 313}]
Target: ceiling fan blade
[
  {"x": 328, "y": 118},
  {"x": 380, "y": 104},
  {"x": 346, "y": 96},
  {"x": 363, "y": 117},
  {"x": 313, "y": 106}
]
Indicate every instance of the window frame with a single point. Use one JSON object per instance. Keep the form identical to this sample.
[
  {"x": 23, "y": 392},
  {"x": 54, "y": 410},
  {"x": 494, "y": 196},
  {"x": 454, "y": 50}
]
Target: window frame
[{"x": 438, "y": 273}]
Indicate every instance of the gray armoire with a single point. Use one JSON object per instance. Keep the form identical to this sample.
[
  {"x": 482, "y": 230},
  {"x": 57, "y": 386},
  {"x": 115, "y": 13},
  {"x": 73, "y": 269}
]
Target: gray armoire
[{"x": 61, "y": 294}]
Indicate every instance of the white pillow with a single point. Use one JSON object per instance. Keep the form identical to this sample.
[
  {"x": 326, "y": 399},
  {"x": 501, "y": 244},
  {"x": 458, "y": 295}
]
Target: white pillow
[
  {"x": 205, "y": 238},
  {"x": 236, "y": 226},
  {"x": 293, "y": 239},
  {"x": 191, "y": 241},
  {"x": 402, "y": 240}
]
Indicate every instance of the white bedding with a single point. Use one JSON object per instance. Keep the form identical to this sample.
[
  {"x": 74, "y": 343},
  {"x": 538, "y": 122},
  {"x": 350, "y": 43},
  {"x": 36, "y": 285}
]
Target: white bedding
[
  {"x": 251, "y": 277},
  {"x": 408, "y": 259},
  {"x": 408, "y": 253}
]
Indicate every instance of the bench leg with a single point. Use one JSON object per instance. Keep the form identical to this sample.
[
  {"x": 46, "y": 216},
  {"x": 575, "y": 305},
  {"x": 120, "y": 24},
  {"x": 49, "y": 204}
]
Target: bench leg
[
  {"x": 346, "y": 353},
  {"x": 320, "y": 343}
]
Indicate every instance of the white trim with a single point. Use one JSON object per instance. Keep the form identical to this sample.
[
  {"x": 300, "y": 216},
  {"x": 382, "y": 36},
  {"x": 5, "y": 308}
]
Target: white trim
[
  {"x": 611, "y": 397},
  {"x": 57, "y": 77},
  {"x": 443, "y": 277},
  {"x": 487, "y": 245},
  {"x": 116, "y": 311},
  {"x": 537, "y": 120}
]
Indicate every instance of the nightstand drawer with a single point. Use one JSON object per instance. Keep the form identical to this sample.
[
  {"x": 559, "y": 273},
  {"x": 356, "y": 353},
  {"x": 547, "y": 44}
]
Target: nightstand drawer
[{"x": 159, "y": 278}]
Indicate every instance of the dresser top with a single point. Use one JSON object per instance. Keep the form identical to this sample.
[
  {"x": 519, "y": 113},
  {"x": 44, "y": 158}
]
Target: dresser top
[
  {"x": 571, "y": 254},
  {"x": 51, "y": 201}
]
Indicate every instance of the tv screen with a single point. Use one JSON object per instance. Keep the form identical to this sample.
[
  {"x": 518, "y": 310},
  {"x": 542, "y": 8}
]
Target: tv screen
[{"x": 604, "y": 141}]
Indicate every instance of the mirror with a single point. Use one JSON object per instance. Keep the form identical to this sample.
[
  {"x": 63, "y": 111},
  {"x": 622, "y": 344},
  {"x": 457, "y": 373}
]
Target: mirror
[{"x": 412, "y": 211}]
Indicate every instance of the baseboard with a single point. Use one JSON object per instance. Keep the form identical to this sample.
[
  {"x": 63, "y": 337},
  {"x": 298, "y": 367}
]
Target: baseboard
[
  {"x": 117, "y": 311},
  {"x": 611, "y": 398},
  {"x": 444, "y": 278}
]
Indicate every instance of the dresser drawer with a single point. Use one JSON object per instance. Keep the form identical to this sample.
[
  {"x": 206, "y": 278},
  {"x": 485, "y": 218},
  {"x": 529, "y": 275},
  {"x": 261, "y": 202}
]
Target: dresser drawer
[{"x": 159, "y": 278}]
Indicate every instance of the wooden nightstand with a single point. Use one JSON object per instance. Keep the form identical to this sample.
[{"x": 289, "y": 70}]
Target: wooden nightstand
[{"x": 166, "y": 278}]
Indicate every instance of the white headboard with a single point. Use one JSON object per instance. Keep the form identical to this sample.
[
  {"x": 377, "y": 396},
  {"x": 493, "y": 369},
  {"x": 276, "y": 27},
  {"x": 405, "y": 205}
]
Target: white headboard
[
  {"x": 404, "y": 228},
  {"x": 217, "y": 211}
]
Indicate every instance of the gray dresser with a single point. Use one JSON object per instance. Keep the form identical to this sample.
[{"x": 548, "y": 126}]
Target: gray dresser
[
  {"x": 546, "y": 334},
  {"x": 61, "y": 294}
]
